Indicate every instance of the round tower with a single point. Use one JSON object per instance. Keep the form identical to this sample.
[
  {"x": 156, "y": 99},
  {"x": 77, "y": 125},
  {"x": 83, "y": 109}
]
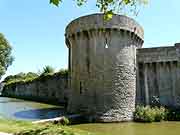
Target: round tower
[{"x": 102, "y": 65}]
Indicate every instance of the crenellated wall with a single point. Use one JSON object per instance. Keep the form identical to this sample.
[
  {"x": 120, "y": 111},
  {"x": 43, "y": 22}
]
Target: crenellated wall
[{"x": 158, "y": 76}]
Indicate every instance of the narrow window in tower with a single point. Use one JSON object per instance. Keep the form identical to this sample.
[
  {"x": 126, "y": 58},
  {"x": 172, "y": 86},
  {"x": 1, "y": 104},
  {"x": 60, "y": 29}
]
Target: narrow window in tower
[{"x": 106, "y": 45}]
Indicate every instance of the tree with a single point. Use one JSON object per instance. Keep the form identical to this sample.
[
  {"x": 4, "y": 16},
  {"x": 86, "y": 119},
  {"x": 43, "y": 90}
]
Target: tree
[
  {"x": 109, "y": 7},
  {"x": 5, "y": 55}
]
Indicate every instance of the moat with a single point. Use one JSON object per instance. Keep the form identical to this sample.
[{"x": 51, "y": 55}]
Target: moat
[
  {"x": 130, "y": 128},
  {"x": 13, "y": 108}
]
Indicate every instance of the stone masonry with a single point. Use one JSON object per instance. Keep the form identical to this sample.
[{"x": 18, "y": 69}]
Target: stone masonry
[
  {"x": 53, "y": 89},
  {"x": 102, "y": 64},
  {"x": 158, "y": 76}
]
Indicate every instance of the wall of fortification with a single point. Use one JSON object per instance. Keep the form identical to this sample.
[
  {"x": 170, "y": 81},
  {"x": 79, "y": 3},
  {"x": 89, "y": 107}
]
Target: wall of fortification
[
  {"x": 46, "y": 89},
  {"x": 158, "y": 76}
]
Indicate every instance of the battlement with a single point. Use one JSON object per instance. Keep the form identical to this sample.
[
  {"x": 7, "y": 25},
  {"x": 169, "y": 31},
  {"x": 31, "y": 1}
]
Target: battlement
[
  {"x": 97, "y": 22},
  {"x": 158, "y": 54}
]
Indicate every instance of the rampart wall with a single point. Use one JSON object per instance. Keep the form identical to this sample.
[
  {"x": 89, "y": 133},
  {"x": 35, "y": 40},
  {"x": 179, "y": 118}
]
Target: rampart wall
[
  {"x": 158, "y": 76},
  {"x": 47, "y": 89}
]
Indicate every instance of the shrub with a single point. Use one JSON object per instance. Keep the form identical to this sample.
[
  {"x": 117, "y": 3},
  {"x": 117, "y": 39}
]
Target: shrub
[
  {"x": 160, "y": 113},
  {"x": 150, "y": 114},
  {"x": 47, "y": 70},
  {"x": 173, "y": 115},
  {"x": 63, "y": 72},
  {"x": 31, "y": 75},
  {"x": 20, "y": 77},
  {"x": 63, "y": 121},
  {"x": 17, "y": 77}
]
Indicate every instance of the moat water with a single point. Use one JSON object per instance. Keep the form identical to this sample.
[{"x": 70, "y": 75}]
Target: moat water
[
  {"x": 26, "y": 110},
  {"x": 162, "y": 128}
]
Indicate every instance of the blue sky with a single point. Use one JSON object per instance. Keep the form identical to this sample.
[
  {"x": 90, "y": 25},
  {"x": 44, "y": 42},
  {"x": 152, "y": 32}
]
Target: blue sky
[{"x": 35, "y": 29}]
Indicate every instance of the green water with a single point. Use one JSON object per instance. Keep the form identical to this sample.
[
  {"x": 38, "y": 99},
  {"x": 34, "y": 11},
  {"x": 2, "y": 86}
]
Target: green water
[
  {"x": 163, "y": 128},
  {"x": 26, "y": 110}
]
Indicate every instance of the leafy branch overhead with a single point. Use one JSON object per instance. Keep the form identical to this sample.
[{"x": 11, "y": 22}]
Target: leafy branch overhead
[{"x": 109, "y": 7}]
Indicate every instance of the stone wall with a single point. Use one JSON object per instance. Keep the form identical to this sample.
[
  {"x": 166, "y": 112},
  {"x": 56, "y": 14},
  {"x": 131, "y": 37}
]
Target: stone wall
[
  {"x": 53, "y": 88},
  {"x": 158, "y": 76}
]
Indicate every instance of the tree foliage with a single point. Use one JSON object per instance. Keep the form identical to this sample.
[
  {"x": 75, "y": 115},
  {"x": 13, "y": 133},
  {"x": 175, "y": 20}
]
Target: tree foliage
[
  {"x": 20, "y": 77},
  {"x": 5, "y": 55},
  {"x": 109, "y": 7},
  {"x": 47, "y": 72}
]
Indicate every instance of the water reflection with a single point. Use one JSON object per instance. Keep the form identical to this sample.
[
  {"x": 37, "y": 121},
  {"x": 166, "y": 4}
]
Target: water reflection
[
  {"x": 27, "y": 110},
  {"x": 40, "y": 113}
]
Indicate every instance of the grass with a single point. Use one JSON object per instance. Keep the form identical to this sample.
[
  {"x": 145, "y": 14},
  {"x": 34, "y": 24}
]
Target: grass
[
  {"x": 27, "y": 128},
  {"x": 11, "y": 126}
]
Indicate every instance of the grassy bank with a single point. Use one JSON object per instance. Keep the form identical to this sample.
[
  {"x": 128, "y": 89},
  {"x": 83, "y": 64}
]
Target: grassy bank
[
  {"x": 12, "y": 126},
  {"x": 27, "y": 128}
]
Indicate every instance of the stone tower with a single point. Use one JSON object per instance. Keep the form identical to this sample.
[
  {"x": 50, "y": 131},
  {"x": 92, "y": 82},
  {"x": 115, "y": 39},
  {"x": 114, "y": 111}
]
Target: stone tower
[{"x": 102, "y": 64}]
